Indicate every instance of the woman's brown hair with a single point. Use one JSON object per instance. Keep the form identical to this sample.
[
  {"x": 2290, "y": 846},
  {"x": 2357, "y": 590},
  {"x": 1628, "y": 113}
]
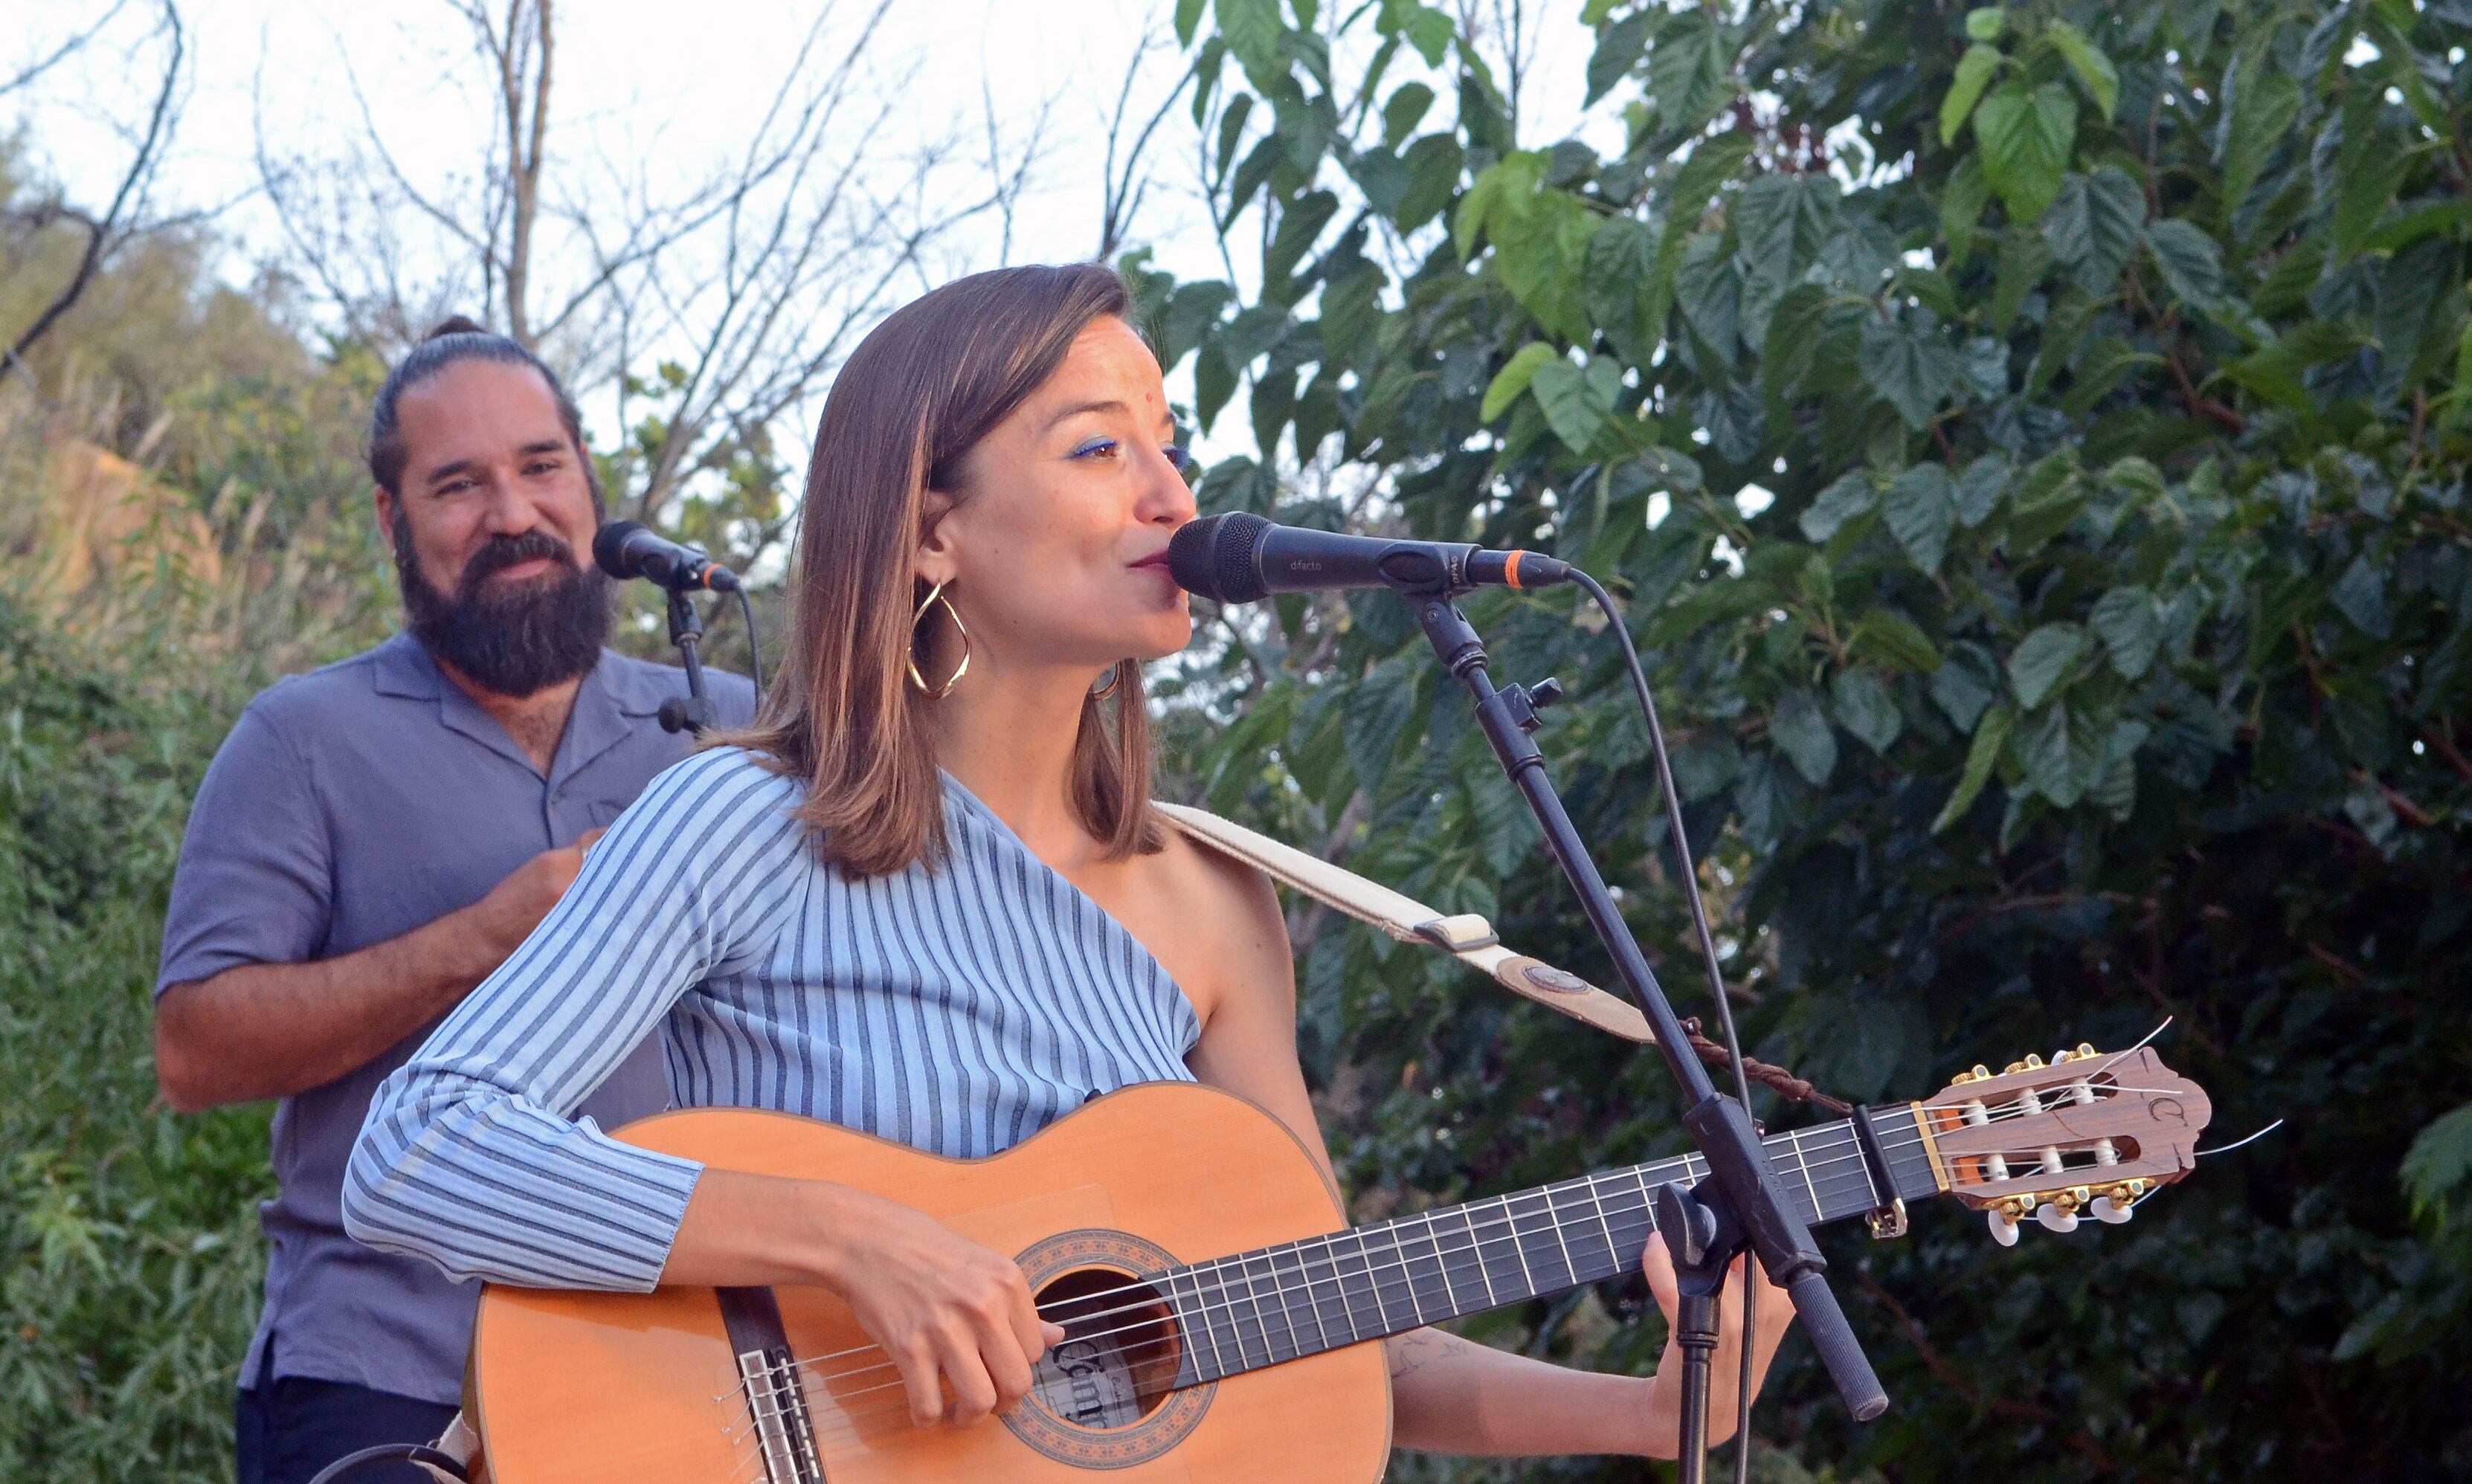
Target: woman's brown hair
[{"x": 905, "y": 411}]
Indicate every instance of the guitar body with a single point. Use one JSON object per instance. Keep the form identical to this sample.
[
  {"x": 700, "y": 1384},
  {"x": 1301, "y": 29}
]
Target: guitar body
[{"x": 574, "y": 1387}]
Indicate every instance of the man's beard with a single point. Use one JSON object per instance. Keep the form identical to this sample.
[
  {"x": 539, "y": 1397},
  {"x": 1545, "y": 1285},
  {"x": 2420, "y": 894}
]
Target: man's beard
[{"x": 512, "y": 640}]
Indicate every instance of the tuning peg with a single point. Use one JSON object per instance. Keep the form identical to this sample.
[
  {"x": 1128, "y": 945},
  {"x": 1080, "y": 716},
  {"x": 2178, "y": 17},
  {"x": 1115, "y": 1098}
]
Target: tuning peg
[
  {"x": 2056, "y": 1220},
  {"x": 2117, "y": 1203},
  {"x": 2004, "y": 1227}
]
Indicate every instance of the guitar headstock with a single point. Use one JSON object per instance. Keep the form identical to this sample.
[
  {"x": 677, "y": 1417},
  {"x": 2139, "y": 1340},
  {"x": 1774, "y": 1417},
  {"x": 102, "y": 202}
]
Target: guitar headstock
[{"x": 2087, "y": 1132}]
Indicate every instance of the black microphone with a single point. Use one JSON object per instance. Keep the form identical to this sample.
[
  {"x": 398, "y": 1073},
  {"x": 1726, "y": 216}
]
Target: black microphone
[
  {"x": 1238, "y": 558},
  {"x": 625, "y": 549}
]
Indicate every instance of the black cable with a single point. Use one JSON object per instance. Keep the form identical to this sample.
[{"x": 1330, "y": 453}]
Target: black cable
[
  {"x": 1708, "y": 956},
  {"x": 754, "y": 656},
  {"x": 390, "y": 1453}
]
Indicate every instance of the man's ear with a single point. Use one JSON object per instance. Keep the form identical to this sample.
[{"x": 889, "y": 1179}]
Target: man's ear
[
  {"x": 935, "y": 558},
  {"x": 382, "y": 500}
]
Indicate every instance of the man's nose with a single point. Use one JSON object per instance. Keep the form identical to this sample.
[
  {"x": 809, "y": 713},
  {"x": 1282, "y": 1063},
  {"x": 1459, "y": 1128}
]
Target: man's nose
[{"x": 510, "y": 512}]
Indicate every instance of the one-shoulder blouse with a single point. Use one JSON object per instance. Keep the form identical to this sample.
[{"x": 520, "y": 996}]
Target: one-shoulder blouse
[{"x": 958, "y": 1007}]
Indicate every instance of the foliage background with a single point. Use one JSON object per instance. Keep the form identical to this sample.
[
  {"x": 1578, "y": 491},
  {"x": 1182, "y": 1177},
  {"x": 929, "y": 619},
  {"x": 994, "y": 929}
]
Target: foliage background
[{"x": 2029, "y": 447}]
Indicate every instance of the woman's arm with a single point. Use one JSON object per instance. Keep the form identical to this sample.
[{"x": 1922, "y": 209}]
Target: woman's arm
[
  {"x": 1448, "y": 1393},
  {"x": 469, "y": 1158}
]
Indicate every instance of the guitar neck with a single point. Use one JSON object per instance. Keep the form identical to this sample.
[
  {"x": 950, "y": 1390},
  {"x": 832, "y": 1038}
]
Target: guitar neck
[{"x": 1277, "y": 1304}]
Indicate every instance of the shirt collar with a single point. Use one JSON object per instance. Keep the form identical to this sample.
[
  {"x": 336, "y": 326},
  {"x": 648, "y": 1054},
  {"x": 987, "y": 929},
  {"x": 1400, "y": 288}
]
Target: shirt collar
[{"x": 600, "y": 721}]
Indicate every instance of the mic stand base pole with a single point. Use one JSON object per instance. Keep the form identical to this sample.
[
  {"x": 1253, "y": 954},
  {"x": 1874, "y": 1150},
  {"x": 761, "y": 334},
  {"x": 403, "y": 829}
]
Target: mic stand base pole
[
  {"x": 1722, "y": 1127},
  {"x": 1704, "y": 1238},
  {"x": 694, "y": 711}
]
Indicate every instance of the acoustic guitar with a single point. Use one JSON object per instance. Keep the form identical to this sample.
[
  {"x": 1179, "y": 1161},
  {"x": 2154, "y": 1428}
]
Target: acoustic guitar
[{"x": 1219, "y": 1315}]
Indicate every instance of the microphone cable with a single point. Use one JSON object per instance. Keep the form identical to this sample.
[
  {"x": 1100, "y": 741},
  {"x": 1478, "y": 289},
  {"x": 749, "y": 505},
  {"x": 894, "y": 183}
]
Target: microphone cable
[
  {"x": 754, "y": 655},
  {"x": 1715, "y": 979}
]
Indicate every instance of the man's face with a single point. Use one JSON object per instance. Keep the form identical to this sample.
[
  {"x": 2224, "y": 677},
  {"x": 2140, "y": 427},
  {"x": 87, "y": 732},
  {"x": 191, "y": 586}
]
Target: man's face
[{"x": 492, "y": 529}]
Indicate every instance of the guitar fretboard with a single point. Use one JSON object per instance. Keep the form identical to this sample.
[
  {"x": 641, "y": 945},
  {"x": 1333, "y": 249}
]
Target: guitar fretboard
[{"x": 1277, "y": 1304}]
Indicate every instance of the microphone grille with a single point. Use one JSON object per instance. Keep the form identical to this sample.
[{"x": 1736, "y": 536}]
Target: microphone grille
[
  {"x": 1214, "y": 556},
  {"x": 608, "y": 547}
]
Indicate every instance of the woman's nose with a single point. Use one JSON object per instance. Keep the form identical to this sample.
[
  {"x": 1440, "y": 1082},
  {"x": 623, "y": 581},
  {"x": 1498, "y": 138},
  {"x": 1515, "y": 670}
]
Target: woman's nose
[{"x": 1166, "y": 496}]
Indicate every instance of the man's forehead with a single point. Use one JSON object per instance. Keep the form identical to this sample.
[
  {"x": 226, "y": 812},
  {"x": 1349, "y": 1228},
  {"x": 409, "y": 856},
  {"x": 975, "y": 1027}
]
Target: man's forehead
[{"x": 475, "y": 407}]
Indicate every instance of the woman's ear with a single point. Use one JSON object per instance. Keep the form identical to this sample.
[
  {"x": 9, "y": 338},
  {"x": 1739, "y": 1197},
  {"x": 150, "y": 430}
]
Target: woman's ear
[{"x": 936, "y": 562}]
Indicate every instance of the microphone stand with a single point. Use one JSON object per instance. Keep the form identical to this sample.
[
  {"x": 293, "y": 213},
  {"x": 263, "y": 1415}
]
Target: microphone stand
[
  {"x": 1741, "y": 1203},
  {"x": 694, "y": 711}
]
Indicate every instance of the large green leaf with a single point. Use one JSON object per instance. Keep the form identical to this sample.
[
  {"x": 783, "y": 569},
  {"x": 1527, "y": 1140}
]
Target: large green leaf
[
  {"x": 1867, "y": 710},
  {"x": 2130, "y": 627},
  {"x": 2191, "y": 262},
  {"x": 2043, "y": 659},
  {"x": 1690, "y": 69},
  {"x": 1577, "y": 402},
  {"x": 2092, "y": 66},
  {"x": 1921, "y": 506},
  {"x": 1513, "y": 378},
  {"x": 1909, "y": 362},
  {"x": 1848, "y": 496},
  {"x": 1800, "y": 730},
  {"x": 1981, "y": 754},
  {"x": 1711, "y": 163},
  {"x": 2026, "y": 138},
  {"x": 2094, "y": 224},
  {"x": 1974, "y": 71}
]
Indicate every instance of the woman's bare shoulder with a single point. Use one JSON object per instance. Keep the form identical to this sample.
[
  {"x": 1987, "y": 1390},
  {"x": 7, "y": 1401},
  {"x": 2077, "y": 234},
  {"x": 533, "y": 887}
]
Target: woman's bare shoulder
[{"x": 1226, "y": 915}]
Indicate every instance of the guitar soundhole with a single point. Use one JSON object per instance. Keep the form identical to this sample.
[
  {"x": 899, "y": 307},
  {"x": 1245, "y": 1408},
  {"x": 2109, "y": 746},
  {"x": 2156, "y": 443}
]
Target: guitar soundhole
[
  {"x": 1105, "y": 1397},
  {"x": 1117, "y": 1362}
]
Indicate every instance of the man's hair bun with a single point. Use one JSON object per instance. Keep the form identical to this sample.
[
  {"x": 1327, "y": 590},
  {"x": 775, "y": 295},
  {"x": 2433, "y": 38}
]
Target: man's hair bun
[{"x": 455, "y": 324}]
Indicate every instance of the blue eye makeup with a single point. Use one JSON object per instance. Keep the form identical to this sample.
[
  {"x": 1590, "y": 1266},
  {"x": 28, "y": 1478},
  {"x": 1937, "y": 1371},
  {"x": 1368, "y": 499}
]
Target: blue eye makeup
[
  {"x": 1091, "y": 446},
  {"x": 1179, "y": 455}
]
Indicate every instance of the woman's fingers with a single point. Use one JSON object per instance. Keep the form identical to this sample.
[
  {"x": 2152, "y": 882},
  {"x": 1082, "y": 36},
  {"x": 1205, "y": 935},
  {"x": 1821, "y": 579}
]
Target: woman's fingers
[
  {"x": 1658, "y": 1264},
  {"x": 965, "y": 1359},
  {"x": 922, "y": 1378}
]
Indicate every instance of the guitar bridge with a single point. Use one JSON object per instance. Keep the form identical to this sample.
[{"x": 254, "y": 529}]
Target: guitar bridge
[{"x": 776, "y": 1406}]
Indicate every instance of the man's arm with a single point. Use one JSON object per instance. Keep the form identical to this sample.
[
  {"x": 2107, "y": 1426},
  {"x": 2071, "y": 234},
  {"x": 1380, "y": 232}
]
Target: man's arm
[{"x": 270, "y": 1029}]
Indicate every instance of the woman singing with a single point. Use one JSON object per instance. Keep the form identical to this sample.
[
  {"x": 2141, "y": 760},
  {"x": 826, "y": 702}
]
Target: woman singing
[{"x": 925, "y": 897}]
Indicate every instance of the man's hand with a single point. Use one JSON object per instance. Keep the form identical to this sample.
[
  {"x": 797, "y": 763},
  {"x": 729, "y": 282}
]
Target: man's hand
[
  {"x": 516, "y": 905},
  {"x": 270, "y": 1029}
]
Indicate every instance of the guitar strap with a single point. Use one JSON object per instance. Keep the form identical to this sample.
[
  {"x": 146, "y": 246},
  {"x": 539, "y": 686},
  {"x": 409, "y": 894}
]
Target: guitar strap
[{"x": 1468, "y": 937}]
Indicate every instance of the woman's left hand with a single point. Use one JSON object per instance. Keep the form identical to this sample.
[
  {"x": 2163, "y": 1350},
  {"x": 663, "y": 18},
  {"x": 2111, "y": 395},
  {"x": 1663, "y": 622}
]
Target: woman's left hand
[{"x": 1662, "y": 1418}]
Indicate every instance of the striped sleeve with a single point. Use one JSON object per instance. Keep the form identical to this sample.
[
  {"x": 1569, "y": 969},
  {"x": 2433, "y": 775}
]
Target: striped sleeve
[{"x": 468, "y": 1157}]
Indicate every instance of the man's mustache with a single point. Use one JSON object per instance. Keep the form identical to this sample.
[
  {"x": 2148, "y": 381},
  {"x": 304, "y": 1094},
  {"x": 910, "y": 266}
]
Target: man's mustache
[{"x": 504, "y": 551}]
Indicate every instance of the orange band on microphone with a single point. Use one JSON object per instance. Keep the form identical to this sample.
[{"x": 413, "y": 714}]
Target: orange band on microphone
[{"x": 1510, "y": 566}]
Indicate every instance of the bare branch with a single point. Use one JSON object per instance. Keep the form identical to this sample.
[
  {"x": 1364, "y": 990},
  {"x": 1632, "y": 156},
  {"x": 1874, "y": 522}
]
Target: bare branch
[
  {"x": 75, "y": 43},
  {"x": 108, "y": 232}
]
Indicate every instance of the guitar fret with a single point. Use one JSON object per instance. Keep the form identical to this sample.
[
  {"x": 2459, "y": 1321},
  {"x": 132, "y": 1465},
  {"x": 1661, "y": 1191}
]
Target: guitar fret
[
  {"x": 1201, "y": 1306},
  {"x": 1399, "y": 1256},
  {"x": 1476, "y": 1249},
  {"x": 1249, "y": 1310},
  {"x": 1793, "y": 1141}
]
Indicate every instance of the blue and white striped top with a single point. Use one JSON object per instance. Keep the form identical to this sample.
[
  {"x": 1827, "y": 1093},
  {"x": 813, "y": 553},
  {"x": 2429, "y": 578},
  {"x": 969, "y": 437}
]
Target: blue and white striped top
[{"x": 959, "y": 1009}]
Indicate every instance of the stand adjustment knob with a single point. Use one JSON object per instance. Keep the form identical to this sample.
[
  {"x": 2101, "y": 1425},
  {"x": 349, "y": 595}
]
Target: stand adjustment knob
[{"x": 1545, "y": 693}]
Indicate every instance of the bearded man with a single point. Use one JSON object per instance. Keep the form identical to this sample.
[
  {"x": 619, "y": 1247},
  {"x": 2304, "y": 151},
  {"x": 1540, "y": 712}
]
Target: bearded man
[{"x": 376, "y": 836}]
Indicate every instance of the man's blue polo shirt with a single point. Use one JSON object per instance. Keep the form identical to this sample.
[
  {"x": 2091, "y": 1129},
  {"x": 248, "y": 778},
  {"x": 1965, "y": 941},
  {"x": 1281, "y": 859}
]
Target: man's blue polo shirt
[{"x": 347, "y": 807}]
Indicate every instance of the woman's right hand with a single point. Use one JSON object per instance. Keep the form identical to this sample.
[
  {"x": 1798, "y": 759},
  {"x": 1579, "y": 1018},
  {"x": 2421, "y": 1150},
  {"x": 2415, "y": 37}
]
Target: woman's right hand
[{"x": 951, "y": 1313}]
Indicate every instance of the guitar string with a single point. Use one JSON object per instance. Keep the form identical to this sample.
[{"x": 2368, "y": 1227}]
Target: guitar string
[
  {"x": 1367, "y": 1256},
  {"x": 1439, "y": 1254},
  {"x": 1214, "y": 1268},
  {"x": 848, "y": 1423}
]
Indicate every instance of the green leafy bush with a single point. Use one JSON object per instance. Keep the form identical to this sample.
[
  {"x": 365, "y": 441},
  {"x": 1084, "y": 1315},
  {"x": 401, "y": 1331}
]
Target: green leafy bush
[{"x": 2031, "y": 446}]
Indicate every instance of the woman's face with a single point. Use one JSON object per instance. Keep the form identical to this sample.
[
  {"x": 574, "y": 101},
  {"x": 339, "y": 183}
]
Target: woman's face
[{"x": 1057, "y": 548}]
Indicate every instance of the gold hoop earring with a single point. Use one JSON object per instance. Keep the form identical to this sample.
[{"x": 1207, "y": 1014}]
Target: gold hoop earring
[
  {"x": 935, "y": 595},
  {"x": 1115, "y": 678}
]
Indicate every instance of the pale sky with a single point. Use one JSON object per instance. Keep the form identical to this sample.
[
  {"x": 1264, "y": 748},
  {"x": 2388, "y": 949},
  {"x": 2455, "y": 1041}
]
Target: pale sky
[{"x": 670, "y": 88}]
